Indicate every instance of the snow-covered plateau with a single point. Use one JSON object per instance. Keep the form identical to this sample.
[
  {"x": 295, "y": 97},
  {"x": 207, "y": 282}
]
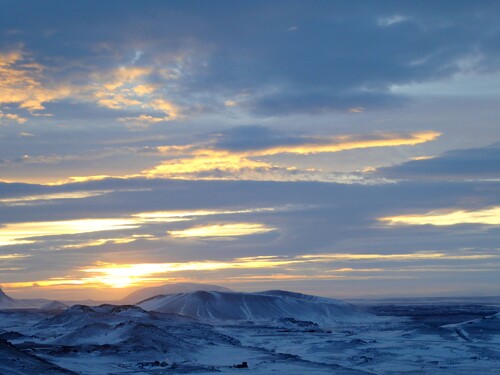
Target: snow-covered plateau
[{"x": 217, "y": 330}]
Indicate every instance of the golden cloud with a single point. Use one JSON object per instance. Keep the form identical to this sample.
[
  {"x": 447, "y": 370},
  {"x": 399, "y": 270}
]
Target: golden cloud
[
  {"x": 222, "y": 230},
  {"x": 31, "y": 232},
  {"x": 20, "y": 83},
  {"x": 24, "y": 82},
  {"x": 22, "y": 233},
  {"x": 34, "y": 199},
  {"x": 205, "y": 162},
  {"x": 487, "y": 216}
]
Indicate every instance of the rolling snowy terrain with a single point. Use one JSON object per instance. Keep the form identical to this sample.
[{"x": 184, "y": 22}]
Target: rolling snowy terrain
[{"x": 273, "y": 332}]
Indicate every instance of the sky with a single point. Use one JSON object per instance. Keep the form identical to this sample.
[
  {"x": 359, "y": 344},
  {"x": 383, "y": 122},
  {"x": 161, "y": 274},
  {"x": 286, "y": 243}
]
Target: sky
[{"x": 338, "y": 148}]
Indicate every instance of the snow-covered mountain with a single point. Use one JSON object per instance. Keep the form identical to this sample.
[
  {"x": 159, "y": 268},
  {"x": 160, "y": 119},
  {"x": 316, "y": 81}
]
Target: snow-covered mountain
[
  {"x": 7, "y": 302},
  {"x": 260, "y": 306},
  {"x": 145, "y": 293}
]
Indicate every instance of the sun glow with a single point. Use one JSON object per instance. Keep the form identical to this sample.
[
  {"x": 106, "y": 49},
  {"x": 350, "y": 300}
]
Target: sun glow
[
  {"x": 120, "y": 276},
  {"x": 326, "y": 266}
]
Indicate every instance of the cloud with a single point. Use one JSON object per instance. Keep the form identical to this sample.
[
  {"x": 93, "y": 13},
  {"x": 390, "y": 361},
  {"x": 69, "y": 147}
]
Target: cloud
[
  {"x": 32, "y": 232},
  {"x": 322, "y": 230},
  {"x": 21, "y": 84},
  {"x": 127, "y": 87},
  {"x": 232, "y": 155},
  {"x": 473, "y": 163},
  {"x": 487, "y": 216},
  {"x": 222, "y": 230},
  {"x": 30, "y": 86},
  {"x": 326, "y": 64},
  {"x": 391, "y": 20},
  {"x": 41, "y": 198},
  {"x": 23, "y": 233},
  {"x": 11, "y": 117},
  {"x": 12, "y": 256}
]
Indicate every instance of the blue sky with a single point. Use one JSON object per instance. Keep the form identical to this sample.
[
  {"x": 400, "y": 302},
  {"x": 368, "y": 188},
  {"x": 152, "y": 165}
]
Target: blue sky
[{"x": 337, "y": 148}]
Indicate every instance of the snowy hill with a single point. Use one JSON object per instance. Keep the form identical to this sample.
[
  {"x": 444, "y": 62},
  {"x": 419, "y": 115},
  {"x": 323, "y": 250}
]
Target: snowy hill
[
  {"x": 483, "y": 329},
  {"x": 145, "y": 293},
  {"x": 7, "y": 302},
  {"x": 260, "y": 306}
]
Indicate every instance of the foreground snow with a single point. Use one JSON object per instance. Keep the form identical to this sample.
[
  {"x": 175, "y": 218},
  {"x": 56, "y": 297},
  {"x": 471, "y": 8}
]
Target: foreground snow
[{"x": 274, "y": 332}]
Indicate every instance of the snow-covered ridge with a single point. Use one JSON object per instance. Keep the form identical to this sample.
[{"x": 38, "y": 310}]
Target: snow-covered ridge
[
  {"x": 259, "y": 306},
  {"x": 485, "y": 328}
]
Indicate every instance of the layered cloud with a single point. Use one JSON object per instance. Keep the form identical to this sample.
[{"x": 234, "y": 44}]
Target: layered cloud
[
  {"x": 31, "y": 232},
  {"x": 467, "y": 164},
  {"x": 238, "y": 153},
  {"x": 147, "y": 231},
  {"x": 487, "y": 216},
  {"x": 245, "y": 110}
]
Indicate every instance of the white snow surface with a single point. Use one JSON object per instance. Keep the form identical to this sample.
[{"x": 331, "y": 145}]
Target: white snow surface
[{"x": 274, "y": 332}]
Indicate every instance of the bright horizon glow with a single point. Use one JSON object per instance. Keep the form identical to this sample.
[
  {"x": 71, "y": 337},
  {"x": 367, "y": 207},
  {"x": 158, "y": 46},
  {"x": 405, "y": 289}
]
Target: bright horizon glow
[{"x": 113, "y": 275}]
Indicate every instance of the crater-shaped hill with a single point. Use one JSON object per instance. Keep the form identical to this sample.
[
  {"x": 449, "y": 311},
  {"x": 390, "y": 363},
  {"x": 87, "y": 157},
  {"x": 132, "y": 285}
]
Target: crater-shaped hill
[
  {"x": 259, "y": 306},
  {"x": 145, "y": 293}
]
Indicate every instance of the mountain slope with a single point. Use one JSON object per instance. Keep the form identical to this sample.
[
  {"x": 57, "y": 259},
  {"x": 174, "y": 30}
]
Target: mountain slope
[
  {"x": 260, "y": 306},
  {"x": 7, "y": 302},
  {"x": 145, "y": 293},
  {"x": 16, "y": 362}
]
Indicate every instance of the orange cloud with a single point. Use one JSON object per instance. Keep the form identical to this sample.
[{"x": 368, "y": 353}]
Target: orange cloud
[
  {"x": 21, "y": 83},
  {"x": 26, "y": 83}
]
